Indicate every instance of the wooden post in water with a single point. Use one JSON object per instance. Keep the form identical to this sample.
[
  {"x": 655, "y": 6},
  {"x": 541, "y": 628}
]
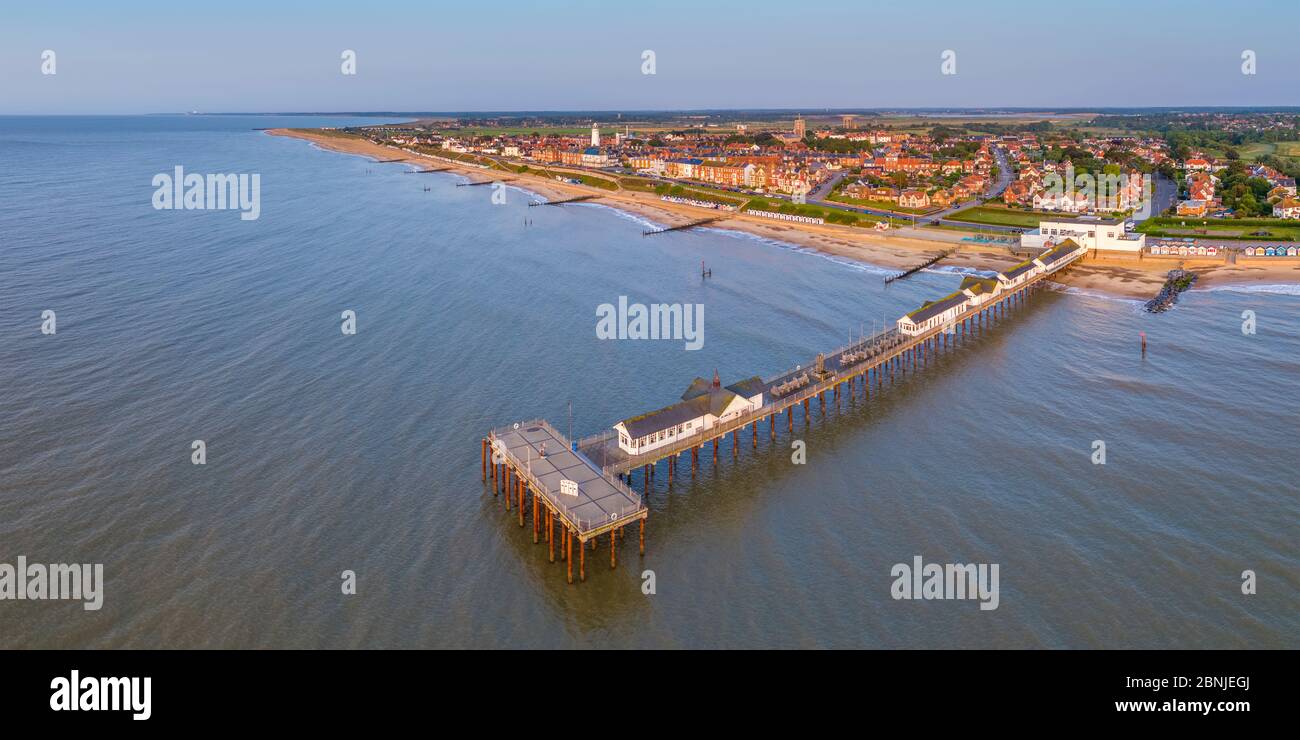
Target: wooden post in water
[
  {"x": 582, "y": 561},
  {"x": 755, "y": 431},
  {"x": 505, "y": 487},
  {"x": 568, "y": 552},
  {"x": 771, "y": 421},
  {"x": 485, "y": 459},
  {"x": 613, "y": 535},
  {"x": 550, "y": 535},
  {"x": 643, "y": 536},
  {"x": 536, "y": 524},
  {"x": 789, "y": 418},
  {"x": 715, "y": 450},
  {"x": 522, "y": 488}
]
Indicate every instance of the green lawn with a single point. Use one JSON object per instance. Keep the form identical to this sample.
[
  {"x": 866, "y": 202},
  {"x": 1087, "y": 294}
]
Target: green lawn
[
  {"x": 1246, "y": 229},
  {"x": 881, "y": 205},
  {"x": 1001, "y": 216}
]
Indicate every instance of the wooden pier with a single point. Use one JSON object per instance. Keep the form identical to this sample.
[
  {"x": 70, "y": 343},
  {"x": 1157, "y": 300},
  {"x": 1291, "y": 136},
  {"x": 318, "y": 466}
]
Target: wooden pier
[
  {"x": 533, "y": 466},
  {"x": 682, "y": 227},
  {"x": 575, "y": 199},
  {"x": 912, "y": 271},
  {"x": 606, "y": 502}
]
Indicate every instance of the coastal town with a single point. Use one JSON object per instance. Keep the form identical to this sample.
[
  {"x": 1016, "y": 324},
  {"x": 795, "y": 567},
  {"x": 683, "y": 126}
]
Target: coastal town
[
  {"x": 907, "y": 170},
  {"x": 1145, "y": 194}
]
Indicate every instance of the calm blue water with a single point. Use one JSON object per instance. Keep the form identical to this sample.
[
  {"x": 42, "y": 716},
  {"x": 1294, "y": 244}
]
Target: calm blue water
[{"x": 329, "y": 452}]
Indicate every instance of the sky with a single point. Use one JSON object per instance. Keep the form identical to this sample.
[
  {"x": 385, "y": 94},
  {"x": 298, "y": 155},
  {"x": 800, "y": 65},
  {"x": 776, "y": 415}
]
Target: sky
[{"x": 501, "y": 55}]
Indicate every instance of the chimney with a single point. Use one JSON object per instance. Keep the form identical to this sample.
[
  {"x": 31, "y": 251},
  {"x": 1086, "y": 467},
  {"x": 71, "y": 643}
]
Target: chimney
[{"x": 717, "y": 382}]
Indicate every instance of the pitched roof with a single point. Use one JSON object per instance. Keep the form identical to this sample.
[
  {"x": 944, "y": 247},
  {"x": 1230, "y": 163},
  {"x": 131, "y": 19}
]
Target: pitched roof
[
  {"x": 749, "y": 387},
  {"x": 930, "y": 309},
  {"x": 1019, "y": 270}
]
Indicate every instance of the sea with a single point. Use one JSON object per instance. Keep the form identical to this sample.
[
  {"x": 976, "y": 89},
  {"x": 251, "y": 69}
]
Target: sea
[{"x": 339, "y": 502}]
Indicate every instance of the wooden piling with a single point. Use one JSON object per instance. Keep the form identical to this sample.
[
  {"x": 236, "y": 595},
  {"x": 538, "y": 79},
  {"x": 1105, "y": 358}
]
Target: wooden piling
[
  {"x": 485, "y": 446},
  {"x": 643, "y": 536},
  {"x": 582, "y": 562},
  {"x": 568, "y": 555},
  {"x": 536, "y": 524},
  {"x": 613, "y": 536}
]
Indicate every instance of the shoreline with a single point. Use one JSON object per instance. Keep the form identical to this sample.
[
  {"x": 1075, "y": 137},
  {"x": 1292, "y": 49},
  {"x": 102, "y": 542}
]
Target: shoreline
[{"x": 1130, "y": 280}]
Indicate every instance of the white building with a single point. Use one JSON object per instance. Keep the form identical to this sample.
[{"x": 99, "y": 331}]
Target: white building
[
  {"x": 933, "y": 314},
  {"x": 703, "y": 406},
  {"x": 1090, "y": 232},
  {"x": 595, "y": 135}
]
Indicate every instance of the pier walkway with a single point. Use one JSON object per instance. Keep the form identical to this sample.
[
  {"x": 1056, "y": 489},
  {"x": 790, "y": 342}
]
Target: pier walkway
[{"x": 606, "y": 470}]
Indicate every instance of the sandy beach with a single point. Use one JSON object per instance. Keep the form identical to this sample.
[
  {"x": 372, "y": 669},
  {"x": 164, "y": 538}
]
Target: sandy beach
[{"x": 1124, "y": 278}]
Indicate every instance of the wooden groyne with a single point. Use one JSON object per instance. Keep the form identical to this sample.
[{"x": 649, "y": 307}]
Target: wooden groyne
[
  {"x": 928, "y": 263},
  {"x": 575, "y": 199},
  {"x": 426, "y": 172},
  {"x": 388, "y": 161},
  {"x": 485, "y": 182},
  {"x": 682, "y": 227}
]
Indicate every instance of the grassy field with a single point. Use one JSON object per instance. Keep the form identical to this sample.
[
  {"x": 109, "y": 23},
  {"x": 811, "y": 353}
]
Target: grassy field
[
  {"x": 1248, "y": 229},
  {"x": 1001, "y": 216},
  {"x": 1288, "y": 149},
  {"x": 585, "y": 179},
  {"x": 882, "y": 205}
]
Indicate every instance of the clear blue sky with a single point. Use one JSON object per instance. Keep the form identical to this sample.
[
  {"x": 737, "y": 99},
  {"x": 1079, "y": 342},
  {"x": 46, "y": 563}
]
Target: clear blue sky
[{"x": 142, "y": 57}]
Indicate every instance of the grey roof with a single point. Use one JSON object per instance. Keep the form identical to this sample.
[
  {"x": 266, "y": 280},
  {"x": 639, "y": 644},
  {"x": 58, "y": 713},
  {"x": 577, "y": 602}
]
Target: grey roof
[
  {"x": 712, "y": 402},
  {"x": 1059, "y": 252},
  {"x": 1019, "y": 270},
  {"x": 934, "y": 308},
  {"x": 749, "y": 387},
  {"x": 698, "y": 387}
]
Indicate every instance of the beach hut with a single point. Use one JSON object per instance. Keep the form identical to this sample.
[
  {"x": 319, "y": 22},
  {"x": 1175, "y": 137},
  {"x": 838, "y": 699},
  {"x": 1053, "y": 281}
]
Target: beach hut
[
  {"x": 1270, "y": 252},
  {"x": 1290, "y": 251},
  {"x": 1212, "y": 251},
  {"x": 1250, "y": 251}
]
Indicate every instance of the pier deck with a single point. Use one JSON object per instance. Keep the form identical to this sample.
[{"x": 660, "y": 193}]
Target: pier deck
[{"x": 604, "y": 504}]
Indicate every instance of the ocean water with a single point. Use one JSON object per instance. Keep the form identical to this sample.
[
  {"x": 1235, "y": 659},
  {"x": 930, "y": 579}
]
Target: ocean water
[{"x": 328, "y": 452}]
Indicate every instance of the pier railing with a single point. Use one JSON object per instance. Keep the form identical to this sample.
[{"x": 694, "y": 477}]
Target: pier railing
[{"x": 559, "y": 501}]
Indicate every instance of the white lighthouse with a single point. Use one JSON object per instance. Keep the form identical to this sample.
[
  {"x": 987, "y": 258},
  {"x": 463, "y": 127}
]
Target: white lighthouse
[{"x": 595, "y": 135}]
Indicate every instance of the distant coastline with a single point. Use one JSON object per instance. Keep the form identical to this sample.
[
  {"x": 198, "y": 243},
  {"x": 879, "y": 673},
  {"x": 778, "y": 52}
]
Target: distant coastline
[{"x": 1126, "y": 279}]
